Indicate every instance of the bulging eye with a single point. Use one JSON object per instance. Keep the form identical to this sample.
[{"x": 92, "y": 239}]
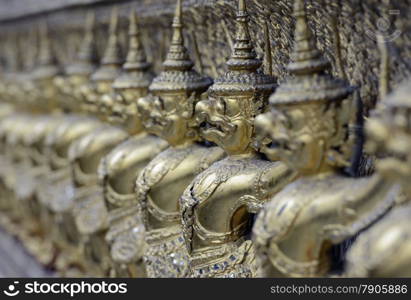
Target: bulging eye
[
  {"x": 159, "y": 103},
  {"x": 221, "y": 106},
  {"x": 281, "y": 121}
]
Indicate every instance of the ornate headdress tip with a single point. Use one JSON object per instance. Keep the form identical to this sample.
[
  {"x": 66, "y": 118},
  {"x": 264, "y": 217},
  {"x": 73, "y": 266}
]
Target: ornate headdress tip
[
  {"x": 136, "y": 57},
  {"x": 112, "y": 54},
  {"x": 178, "y": 58},
  {"x": 178, "y": 74},
  {"x": 243, "y": 56},
  {"x": 136, "y": 73},
  {"x": 90, "y": 21},
  {"x": 47, "y": 61},
  {"x": 305, "y": 57},
  {"x": 178, "y": 12},
  {"x": 241, "y": 6},
  {"x": 299, "y": 8},
  {"x": 243, "y": 65},
  {"x": 133, "y": 26},
  {"x": 87, "y": 55},
  {"x": 113, "y": 20}
]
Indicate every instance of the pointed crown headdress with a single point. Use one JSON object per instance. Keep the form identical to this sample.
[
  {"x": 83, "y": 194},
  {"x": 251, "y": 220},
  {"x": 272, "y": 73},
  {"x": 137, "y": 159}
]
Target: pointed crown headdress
[
  {"x": 47, "y": 62},
  {"x": 309, "y": 82},
  {"x": 136, "y": 72},
  {"x": 178, "y": 73},
  {"x": 110, "y": 67},
  {"x": 242, "y": 75},
  {"x": 86, "y": 61}
]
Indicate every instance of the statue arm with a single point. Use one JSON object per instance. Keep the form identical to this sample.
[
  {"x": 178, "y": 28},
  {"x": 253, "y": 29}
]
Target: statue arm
[
  {"x": 360, "y": 208},
  {"x": 268, "y": 182}
]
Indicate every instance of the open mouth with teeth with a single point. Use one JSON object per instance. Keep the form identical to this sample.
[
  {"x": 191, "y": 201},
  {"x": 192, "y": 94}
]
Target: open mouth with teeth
[
  {"x": 209, "y": 127},
  {"x": 212, "y": 129}
]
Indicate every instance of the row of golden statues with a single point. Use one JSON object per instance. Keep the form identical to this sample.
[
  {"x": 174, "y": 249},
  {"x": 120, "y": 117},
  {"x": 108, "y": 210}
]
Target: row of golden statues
[{"x": 110, "y": 170}]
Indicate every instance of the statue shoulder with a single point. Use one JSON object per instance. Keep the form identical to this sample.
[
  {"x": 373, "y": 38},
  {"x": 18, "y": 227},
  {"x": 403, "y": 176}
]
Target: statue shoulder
[
  {"x": 277, "y": 216},
  {"x": 271, "y": 178},
  {"x": 171, "y": 158},
  {"x": 384, "y": 249},
  {"x": 133, "y": 149},
  {"x": 297, "y": 199},
  {"x": 70, "y": 129},
  {"x": 41, "y": 128},
  {"x": 330, "y": 207},
  {"x": 97, "y": 140}
]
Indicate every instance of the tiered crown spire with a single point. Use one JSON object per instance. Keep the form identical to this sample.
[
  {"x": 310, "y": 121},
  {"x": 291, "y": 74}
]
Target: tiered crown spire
[
  {"x": 136, "y": 74},
  {"x": 178, "y": 71},
  {"x": 178, "y": 57},
  {"x": 309, "y": 82},
  {"x": 112, "y": 60},
  {"x": 243, "y": 56},
  {"x": 47, "y": 62},
  {"x": 305, "y": 57},
  {"x": 87, "y": 54},
  {"x": 242, "y": 75}
]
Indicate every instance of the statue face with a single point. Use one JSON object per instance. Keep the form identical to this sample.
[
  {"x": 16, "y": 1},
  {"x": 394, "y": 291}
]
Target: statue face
[
  {"x": 28, "y": 91},
  {"x": 264, "y": 126},
  {"x": 168, "y": 116},
  {"x": 92, "y": 93},
  {"x": 225, "y": 122},
  {"x": 48, "y": 91},
  {"x": 104, "y": 86},
  {"x": 63, "y": 85},
  {"x": 301, "y": 135},
  {"x": 78, "y": 80},
  {"x": 391, "y": 141},
  {"x": 78, "y": 84},
  {"x": 66, "y": 89},
  {"x": 88, "y": 93},
  {"x": 123, "y": 110}
]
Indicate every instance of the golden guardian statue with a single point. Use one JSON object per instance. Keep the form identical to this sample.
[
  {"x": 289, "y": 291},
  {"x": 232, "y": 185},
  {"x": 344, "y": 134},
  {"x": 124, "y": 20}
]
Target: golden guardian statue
[
  {"x": 384, "y": 249},
  {"x": 170, "y": 114},
  {"x": 309, "y": 128},
  {"x": 217, "y": 207},
  {"x": 120, "y": 168}
]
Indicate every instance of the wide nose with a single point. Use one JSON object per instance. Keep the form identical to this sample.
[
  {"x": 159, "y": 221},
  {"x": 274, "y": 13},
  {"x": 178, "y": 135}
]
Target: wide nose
[{"x": 203, "y": 110}]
